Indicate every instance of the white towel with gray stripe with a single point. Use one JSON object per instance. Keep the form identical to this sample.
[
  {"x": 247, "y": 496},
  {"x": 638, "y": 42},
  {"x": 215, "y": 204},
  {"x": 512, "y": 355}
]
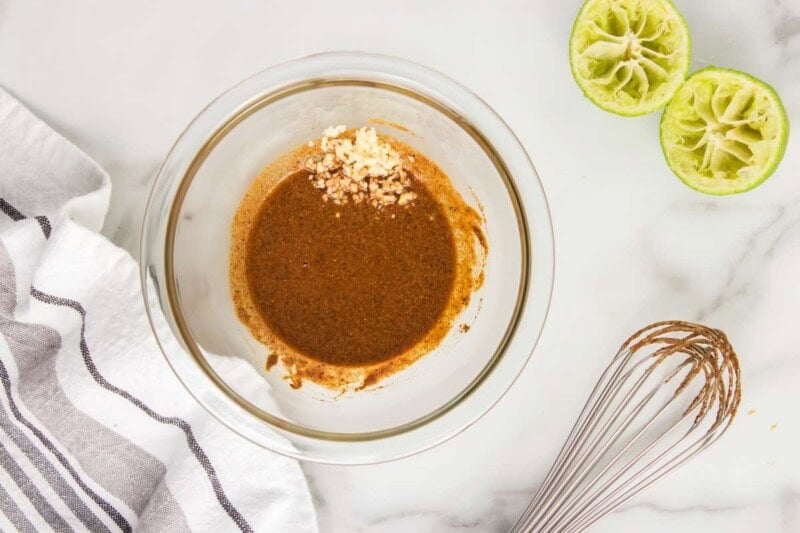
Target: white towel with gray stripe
[{"x": 96, "y": 433}]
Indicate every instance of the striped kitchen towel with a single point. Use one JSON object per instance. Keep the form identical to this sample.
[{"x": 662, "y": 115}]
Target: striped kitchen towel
[{"x": 96, "y": 433}]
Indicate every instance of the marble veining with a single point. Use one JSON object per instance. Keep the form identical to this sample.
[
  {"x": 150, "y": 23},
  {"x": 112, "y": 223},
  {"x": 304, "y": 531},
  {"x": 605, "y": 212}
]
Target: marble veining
[{"x": 633, "y": 244}]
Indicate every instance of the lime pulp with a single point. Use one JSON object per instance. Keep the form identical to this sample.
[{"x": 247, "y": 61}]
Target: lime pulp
[
  {"x": 629, "y": 56},
  {"x": 724, "y": 132}
]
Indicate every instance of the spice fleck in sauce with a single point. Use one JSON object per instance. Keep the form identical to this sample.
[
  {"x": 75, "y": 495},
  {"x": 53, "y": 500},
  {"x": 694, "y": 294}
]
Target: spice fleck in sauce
[{"x": 346, "y": 294}]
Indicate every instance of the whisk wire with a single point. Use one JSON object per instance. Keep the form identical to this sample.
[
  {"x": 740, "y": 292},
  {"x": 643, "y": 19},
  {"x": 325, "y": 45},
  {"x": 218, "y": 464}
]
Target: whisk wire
[
  {"x": 668, "y": 382},
  {"x": 569, "y": 499},
  {"x": 618, "y": 457},
  {"x": 575, "y": 436}
]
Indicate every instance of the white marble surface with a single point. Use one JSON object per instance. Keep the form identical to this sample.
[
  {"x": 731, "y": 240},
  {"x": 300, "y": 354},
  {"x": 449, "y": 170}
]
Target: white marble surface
[{"x": 633, "y": 244}]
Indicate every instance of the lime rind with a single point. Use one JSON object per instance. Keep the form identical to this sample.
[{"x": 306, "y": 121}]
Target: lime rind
[
  {"x": 629, "y": 57},
  {"x": 724, "y": 132}
]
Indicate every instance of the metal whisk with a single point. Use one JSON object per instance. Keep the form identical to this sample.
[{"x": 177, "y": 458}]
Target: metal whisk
[{"x": 672, "y": 390}]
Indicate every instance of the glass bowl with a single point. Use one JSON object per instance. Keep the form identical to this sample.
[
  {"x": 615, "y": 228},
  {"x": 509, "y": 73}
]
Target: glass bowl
[{"x": 185, "y": 252}]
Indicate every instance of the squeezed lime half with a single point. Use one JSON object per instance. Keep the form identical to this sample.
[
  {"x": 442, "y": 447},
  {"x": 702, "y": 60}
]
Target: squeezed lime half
[
  {"x": 724, "y": 132},
  {"x": 629, "y": 57}
]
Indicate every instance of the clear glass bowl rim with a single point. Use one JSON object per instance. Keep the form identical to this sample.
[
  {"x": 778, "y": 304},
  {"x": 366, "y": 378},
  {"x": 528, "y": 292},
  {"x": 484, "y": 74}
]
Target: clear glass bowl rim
[{"x": 530, "y": 194}]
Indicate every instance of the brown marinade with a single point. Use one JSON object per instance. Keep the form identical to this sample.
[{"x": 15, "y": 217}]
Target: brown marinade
[
  {"x": 349, "y": 285},
  {"x": 344, "y": 296}
]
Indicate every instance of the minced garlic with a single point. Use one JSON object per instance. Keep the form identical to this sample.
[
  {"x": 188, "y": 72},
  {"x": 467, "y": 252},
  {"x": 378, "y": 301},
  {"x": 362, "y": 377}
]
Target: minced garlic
[{"x": 360, "y": 167}]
